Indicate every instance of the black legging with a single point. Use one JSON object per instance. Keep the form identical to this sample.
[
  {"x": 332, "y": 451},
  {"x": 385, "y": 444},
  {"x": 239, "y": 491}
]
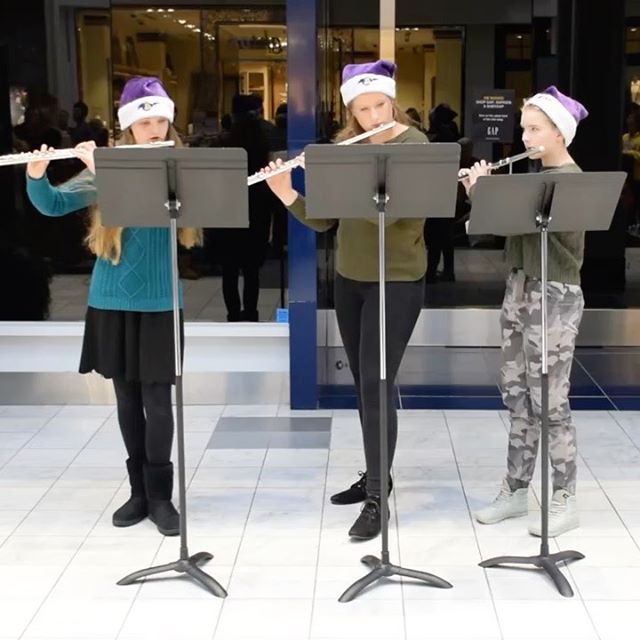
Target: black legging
[
  {"x": 439, "y": 238},
  {"x": 358, "y": 319},
  {"x": 250, "y": 290},
  {"x": 146, "y": 420}
]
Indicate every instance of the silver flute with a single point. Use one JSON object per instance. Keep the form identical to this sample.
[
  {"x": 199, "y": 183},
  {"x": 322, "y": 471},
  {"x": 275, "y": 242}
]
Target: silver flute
[
  {"x": 259, "y": 176},
  {"x": 64, "y": 154},
  {"x": 463, "y": 173}
]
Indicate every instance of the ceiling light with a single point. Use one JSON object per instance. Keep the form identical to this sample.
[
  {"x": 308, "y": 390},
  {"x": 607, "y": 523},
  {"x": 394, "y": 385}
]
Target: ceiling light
[
  {"x": 170, "y": 10},
  {"x": 150, "y": 10},
  {"x": 182, "y": 21}
]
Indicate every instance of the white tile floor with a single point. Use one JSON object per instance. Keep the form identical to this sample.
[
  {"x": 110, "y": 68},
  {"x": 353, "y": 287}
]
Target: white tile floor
[{"x": 282, "y": 550}]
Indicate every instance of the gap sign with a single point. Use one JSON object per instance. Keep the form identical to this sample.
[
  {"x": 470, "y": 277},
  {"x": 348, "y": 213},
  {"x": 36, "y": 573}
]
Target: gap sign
[{"x": 492, "y": 115}]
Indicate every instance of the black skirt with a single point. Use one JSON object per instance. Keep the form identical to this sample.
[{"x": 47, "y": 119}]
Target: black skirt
[{"x": 133, "y": 345}]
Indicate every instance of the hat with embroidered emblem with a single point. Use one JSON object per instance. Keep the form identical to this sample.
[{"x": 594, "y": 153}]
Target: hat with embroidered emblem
[
  {"x": 144, "y": 97},
  {"x": 370, "y": 77}
]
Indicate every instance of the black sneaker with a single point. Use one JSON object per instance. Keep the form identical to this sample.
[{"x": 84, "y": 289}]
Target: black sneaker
[
  {"x": 164, "y": 515},
  {"x": 357, "y": 492},
  {"x": 368, "y": 523}
]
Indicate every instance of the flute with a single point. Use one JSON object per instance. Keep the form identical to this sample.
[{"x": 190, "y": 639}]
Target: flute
[
  {"x": 64, "y": 154},
  {"x": 463, "y": 173},
  {"x": 259, "y": 176}
]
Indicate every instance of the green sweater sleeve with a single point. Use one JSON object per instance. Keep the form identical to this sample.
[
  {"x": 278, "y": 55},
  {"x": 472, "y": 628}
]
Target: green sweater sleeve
[
  {"x": 75, "y": 194},
  {"x": 299, "y": 210}
]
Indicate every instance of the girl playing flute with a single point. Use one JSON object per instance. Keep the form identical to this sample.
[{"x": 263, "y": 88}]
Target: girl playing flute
[
  {"x": 128, "y": 334},
  {"x": 368, "y": 91}
]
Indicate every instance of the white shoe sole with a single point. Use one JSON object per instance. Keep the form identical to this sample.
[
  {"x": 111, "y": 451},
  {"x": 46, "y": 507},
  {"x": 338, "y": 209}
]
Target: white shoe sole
[
  {"x": 518, "y": 514},
  {"x": 537, "y": 530}
]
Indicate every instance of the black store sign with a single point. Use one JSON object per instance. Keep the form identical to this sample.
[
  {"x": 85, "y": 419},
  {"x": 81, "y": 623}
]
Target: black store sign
[{"x": 492, "y": 115}]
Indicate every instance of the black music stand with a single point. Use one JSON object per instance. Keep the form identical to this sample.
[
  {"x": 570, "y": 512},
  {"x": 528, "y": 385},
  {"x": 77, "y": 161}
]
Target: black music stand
[
  {"x": 543, "y": 203},
  {"x": 174, "y": 187},
  {"x": 379, "y": 181}
]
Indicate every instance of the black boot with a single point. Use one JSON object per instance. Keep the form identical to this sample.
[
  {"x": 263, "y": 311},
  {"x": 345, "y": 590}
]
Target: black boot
[
  {"x": 159, "y": 485},
  {"x": 369, "y": 522},
  {"x": 357, "y": 492},
  {"x": 135, "y": 508}
]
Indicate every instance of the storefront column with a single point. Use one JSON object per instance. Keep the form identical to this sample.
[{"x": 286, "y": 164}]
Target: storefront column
[
  {"x": 301, "y": 130},
  {"x": 591, "y": 68}
]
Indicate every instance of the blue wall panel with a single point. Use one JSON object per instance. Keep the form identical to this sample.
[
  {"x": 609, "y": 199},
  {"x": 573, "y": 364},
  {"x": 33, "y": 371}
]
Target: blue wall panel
[{"x": 301, "y": 130}]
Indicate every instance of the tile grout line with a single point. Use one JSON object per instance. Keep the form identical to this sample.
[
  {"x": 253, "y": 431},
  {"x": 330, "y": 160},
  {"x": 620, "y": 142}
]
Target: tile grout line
[
  {"x": 576, "y": 359},
  {"x": 244, "y": 529},
  {"x": 322, "y": 510},
  {"x": 475, "y": 535},
  {"x": 73, "y": 556},
  {"x": 29, "y": 511}
]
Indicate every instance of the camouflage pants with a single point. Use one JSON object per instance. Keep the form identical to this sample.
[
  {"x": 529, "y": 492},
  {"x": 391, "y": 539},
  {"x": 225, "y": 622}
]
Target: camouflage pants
[{"x": 520, "y": 321}]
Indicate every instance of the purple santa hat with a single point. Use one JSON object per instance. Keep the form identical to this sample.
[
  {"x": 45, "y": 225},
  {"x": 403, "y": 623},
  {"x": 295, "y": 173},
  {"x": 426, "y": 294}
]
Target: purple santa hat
[
  {"x": 563, "y": 111},
  {"x": 144, "y": 97},
  {"x": 370, "y": 77}
]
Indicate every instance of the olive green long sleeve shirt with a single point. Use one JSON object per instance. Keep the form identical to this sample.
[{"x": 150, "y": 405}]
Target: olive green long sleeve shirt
[{"x": 357, "y": 238}]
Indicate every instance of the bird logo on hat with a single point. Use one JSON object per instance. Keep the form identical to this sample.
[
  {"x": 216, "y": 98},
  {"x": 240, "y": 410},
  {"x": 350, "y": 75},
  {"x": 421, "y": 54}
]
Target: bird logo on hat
[{"x": 147, "y": 106}]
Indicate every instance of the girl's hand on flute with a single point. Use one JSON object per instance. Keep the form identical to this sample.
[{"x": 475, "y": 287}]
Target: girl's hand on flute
[
  {"x": 281, "y": 184},
  {"x": 84, "y": 151},
  {"x": 478, "y": 169},
  {"x": 37, "y": 168}
]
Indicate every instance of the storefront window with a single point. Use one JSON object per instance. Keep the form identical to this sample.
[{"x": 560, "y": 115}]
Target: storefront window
[{"x": 204, "y": 57}]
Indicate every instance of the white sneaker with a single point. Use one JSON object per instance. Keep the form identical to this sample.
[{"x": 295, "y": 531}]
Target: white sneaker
[
  {"x": 563, "y": 515},
  {"x": 508, "y": 504}
]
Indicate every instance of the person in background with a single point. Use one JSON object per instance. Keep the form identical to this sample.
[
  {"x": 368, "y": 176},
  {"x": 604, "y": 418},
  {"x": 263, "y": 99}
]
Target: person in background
[
  {"x": 243, "y": 251},
  {"x": 416, "y": 120},
  {"x": 81, "y": 131}
]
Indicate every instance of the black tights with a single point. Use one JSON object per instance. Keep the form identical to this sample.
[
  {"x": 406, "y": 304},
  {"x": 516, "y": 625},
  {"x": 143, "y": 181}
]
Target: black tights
[
  {"x": 146, "y": 420},
  {"x": 358, "y": 319}
]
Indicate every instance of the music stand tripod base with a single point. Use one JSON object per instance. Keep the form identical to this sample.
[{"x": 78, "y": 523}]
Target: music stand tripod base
[
  {"x": 548, "y": 563},
  {"x": 188, "y": 566},
  {"x": 381, "y": 569}
]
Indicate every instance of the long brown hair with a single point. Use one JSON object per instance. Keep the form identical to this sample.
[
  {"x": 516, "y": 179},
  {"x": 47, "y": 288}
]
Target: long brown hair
[
  {"x": 106, "y": 242},
  {"x": 353, "y": 128}
]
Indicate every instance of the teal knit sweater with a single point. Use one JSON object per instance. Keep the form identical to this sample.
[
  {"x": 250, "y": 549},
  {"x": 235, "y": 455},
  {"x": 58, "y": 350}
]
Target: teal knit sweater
[{"x": 141, "y": 281}]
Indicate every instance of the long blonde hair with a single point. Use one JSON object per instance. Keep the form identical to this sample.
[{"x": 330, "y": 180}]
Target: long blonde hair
[
  {"x": 106, "y": 242},
  {"x": 353, "y": 128}
]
